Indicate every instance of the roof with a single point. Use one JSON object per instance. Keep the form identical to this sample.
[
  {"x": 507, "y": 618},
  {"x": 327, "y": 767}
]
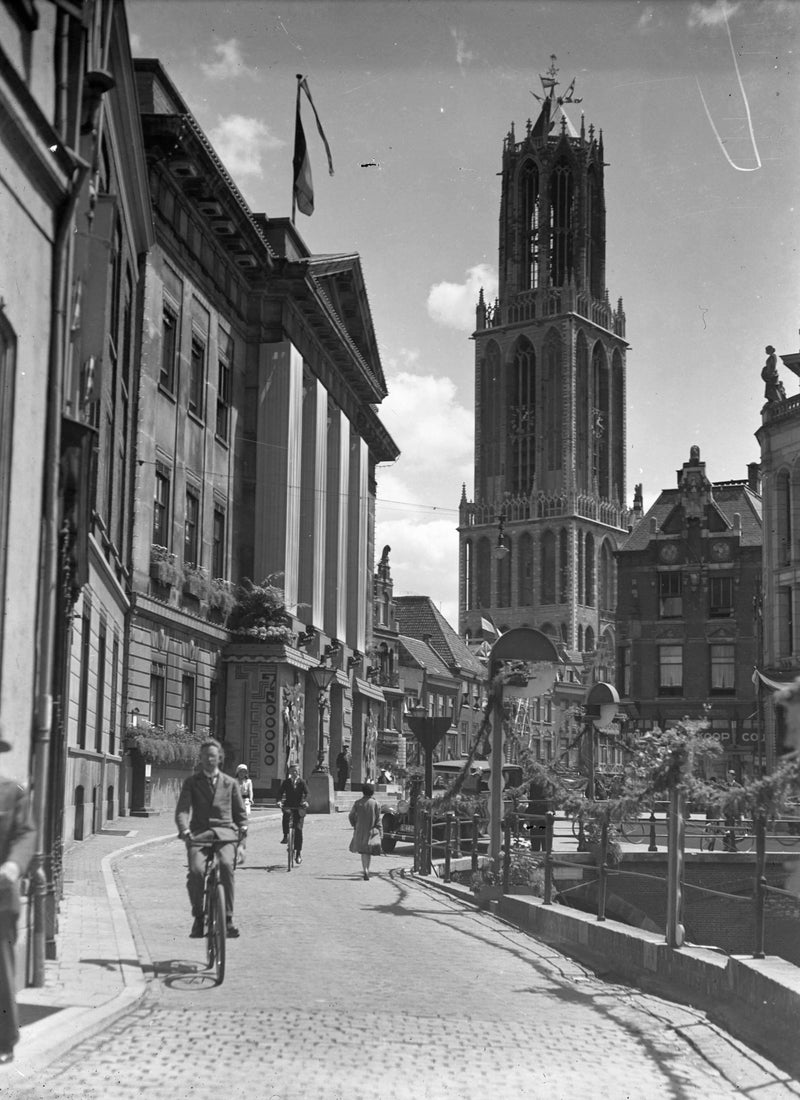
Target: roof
[
  {"x": 730, "y": 498},
  {"x": 423, "y": 656},
  {"x": 419, "y": 617}
]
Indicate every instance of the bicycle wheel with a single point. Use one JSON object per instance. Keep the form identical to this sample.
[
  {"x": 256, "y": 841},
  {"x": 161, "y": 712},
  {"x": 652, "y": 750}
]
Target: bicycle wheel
[
  {"x": 219, "y": 932},
  {"x": 209, "y": 920},
  {"x": 633, "y": 831},
  {"x": 290, "y": 847},
  {"x": 786, "y": 838}
]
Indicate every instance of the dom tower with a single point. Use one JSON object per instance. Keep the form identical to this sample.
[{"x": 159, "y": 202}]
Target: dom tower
[{"x": 537, "y": 543}]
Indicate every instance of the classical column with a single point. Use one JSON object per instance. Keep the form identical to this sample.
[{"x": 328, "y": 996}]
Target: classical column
[
  {"x": 358, "y": 577},
  {"x": 336, "y": 546},
  {"x": 311, "y": 581},
  {"x": 278, "y": 466}
]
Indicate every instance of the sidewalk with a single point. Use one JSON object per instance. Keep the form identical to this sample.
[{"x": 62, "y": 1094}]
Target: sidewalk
[{"x": 97, "y": 975}]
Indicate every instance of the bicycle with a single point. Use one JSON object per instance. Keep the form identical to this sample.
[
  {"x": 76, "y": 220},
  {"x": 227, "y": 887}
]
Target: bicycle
[
  {"x": 214, "y": 909},
  {"x": 292, "y": 856}
]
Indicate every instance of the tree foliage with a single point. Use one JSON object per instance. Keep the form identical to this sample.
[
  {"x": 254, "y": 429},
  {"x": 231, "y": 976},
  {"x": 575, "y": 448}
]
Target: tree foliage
[{"x": 260, "y": 612}]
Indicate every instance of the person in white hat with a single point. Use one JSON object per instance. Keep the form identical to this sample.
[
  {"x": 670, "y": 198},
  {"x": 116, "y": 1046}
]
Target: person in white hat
[{"x": 246, "y": 787}]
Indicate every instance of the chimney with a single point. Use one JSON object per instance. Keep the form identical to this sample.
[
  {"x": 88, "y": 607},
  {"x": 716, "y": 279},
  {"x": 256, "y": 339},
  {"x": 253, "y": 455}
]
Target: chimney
[{"x": 754, "y": 476}]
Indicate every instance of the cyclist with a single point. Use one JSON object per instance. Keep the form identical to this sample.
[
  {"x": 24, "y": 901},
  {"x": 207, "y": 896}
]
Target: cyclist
[
  {"x": 210, "y": 807},
  {"x": 293, "y": 797}
]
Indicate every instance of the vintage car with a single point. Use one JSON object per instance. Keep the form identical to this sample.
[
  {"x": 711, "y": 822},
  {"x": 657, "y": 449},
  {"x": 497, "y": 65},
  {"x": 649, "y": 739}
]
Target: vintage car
[{"x": 398, "y": 820}]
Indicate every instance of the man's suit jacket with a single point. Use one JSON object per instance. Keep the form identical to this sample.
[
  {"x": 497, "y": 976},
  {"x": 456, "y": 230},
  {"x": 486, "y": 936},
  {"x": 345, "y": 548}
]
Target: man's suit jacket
[
  {"x": 17, "y": 838},
  {"x": 198, "y": 810}
]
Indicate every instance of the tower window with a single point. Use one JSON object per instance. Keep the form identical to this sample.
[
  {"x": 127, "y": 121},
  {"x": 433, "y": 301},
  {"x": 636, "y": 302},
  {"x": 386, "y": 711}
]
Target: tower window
[
  {"x": 529, "y": 223},
  {"x": 561, "y": 245}
]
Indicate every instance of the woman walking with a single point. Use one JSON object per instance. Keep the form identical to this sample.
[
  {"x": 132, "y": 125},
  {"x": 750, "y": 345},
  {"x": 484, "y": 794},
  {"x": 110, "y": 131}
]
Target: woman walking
[
  {"x": 365, "y": 817},
  {"x": 246, "y": 788}
]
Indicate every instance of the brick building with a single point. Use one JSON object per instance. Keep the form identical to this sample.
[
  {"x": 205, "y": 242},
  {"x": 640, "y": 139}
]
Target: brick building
[{"x": 689, "y": 579}]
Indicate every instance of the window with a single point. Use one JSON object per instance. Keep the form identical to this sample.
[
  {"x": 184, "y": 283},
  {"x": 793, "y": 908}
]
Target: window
[
  {"x": 624, "y": 671},
  {"x": 191, "y": 521},
  {"x": 218, "y": 546},
  {"x": 670, "y": 669},
  {"x": 720, "y": 604},
  {"x": 169, "y": 341},
  {"x": 157, "y": 695},
  {"x": 224, "y": 386},
  {"x": 785, "y": 623},
  {"x": 8, "y": 347},
  {"x": 161, "y": 508},
  {"x": 83, "y": 690},
  {"x": 723, "y": 669},
  {"x": 187, "y": 701},
  {"x": 197, "y": 376},
  {"x": 112, "y": 718},
  {"x": 670, "y": 602},
  {"x": 101, "y": 687}
]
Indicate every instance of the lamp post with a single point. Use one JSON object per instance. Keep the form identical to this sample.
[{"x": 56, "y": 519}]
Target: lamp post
[
  {"x": 602, "y": 702},
  {"x": 323, "y": 677},
  {"x": 320, "y": 783}
]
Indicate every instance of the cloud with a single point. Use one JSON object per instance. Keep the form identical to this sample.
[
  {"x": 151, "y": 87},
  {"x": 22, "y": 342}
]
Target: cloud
[
  {"x": 417, "y": 505},
  {"x": 229, "y": 64},
  {"x": 241, "y": 142},
  {"x": 453, "y": 304},
  {"x": 712, "y": 15},
  {"x": 649, "y": 19},
  {"x": 463, "y": 55}
]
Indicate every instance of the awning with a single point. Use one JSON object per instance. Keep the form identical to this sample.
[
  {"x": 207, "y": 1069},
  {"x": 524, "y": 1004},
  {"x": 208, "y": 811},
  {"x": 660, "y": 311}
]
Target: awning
[
  {"x": 776, "y": 680},
  {"x": 364, "y": 687}
]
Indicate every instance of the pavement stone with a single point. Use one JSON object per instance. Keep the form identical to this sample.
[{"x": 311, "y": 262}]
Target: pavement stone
[{"x": 339, "y": 989}]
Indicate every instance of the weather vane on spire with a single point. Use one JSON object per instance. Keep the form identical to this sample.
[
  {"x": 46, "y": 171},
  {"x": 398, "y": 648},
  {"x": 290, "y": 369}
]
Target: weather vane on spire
[{"x": 549, "y": 84}]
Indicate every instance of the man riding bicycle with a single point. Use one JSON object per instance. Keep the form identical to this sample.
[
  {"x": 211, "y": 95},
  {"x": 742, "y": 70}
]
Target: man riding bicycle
[
  {"x": 210, "y": 807},
  {"x": 293, "y": 797}
]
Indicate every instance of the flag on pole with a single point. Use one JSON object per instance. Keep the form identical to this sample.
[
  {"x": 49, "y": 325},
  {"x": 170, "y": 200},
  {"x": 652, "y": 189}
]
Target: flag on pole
[{"x": 303, "y": 195}]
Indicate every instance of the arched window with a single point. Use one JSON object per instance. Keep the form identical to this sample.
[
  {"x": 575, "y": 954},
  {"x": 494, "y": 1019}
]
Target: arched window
[
  {"x": 504, "y": 575},
  {"x": 618, "y": 426},
  {"x": 525, "y": 570},
  {"x": 548, "y": 586},
  {"x": 595, "y": 274},
  {"x": 581, "y": 568},
  {"x": 521, "y": 419},
  {"x": 580, "y": 638},
  {"x": 466, "y": 592},
  {"x": 589, "y": 638},
  {"x": 561, "y": 246},
  {"x": 589, "y": 571},
  {"x": 552, "y": 396},
  {"x": 483, "y": 579},
  {"x": 563, "y": 565},
  {"x": 606, "y": 578},
  {"x": 600, "y": 420},
  {"x": 529, "y": 225},
  {"x": 582, "y": 411},
  {"x": 491, "y": 399}
]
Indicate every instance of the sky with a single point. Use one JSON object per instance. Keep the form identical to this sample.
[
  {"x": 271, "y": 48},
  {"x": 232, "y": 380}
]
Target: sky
[{"x": 698, "y": 104}]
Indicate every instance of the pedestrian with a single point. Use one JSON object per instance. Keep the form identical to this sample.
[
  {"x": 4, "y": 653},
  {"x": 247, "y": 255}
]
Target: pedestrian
[
  {"x": 17, "y": 846},
  {"x": 210, "y": 807},
  {"x": 365, "y": 817},
  {"x": 540, "y": 802},
  {"x": 342, "y": 769},
  {"x": 246, "y": 790},
  {"x": 293, "y": 799}
]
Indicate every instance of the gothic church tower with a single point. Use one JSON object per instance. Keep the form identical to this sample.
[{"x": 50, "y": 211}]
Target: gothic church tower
[{"x": 537, "y": 543}]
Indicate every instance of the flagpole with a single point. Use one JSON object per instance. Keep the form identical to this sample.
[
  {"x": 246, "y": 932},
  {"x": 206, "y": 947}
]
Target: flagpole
[{"x": 296, "y": 116}]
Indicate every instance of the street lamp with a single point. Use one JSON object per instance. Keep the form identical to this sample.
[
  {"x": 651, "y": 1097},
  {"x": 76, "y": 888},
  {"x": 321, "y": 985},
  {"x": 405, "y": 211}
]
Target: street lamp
[{"x": 323, "y": 677}]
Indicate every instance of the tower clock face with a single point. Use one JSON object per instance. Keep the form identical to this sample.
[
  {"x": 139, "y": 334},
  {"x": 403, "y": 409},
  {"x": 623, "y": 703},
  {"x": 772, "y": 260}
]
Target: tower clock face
[
  {"x": 720, "y": 551},
  {"x": 668, "y": 552}
]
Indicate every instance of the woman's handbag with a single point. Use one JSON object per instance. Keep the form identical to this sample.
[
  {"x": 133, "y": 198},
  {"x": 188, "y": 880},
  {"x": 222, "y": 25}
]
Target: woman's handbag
[{"x": 375, "y": 847}]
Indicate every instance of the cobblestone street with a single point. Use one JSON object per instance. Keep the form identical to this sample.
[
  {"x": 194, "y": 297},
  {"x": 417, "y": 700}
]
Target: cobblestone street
[{"x": 340, "y": 989}]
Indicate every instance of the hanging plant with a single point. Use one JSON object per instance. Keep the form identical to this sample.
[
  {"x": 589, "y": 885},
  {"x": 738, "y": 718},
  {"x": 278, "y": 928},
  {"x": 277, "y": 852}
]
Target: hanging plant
[
  {"x": 221, "y": 596},
  {"x": 179, "y": 746},
  {"x": 260, "y": 612}
]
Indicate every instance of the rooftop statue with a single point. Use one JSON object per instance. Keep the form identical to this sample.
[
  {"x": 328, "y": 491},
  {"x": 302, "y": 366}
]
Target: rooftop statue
[{"x": 773, "y": 387}]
